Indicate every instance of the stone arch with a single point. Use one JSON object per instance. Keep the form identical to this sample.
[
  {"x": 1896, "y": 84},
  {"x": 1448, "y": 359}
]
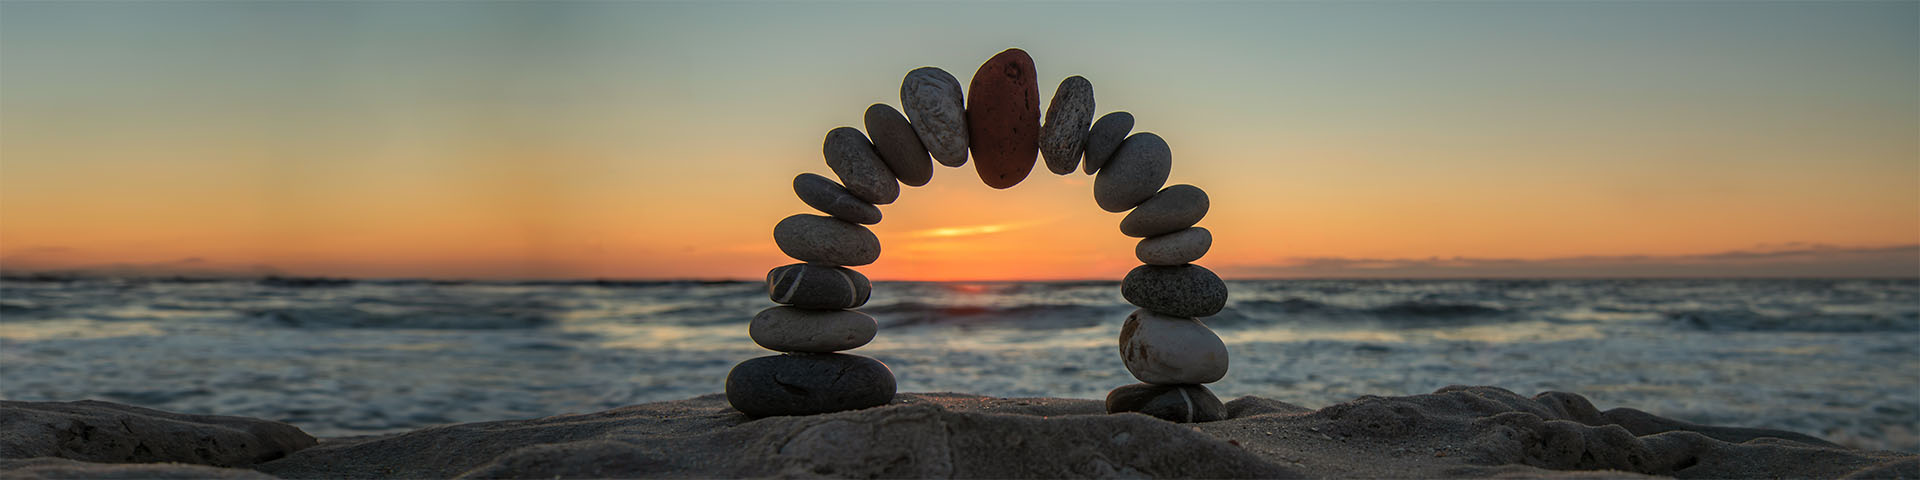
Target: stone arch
[{"x": 997, "y": 120}]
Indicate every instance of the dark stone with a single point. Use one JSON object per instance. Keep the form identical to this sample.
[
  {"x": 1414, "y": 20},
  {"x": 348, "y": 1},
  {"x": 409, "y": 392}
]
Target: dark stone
[
  {"x": 1105, "y": 137},
  {"x": 1173, "y": 209},
  {"x": 1173, "y": 403},
  {"x": 1003, "y": 118},
  {"x": 1182, "y": 291},
  {"x": 808, "y": 383},
  {"x": 852, "y": 158},
  {"x": 898, "y": 145},
  {"x": 1064, "y": 135},
  {"x": 830, "y": 198},
  {"x": 818, "y": 286},
  {"x": 1136, "y": 172},
  {"x": 102, "y": 432},
  {"x": 826, "y": 240}
]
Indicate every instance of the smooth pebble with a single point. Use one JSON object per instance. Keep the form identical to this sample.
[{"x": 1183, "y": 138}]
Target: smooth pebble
[
  {"x": 1174, "y": 208},
  {"x": 808, "y": 384},
  {"x": 937, "y": 110},
  {"x": 1137, "y": 171},
  {"x": 829, "y": 197},
  {"x": 826, "y": 240},
  {"x": 1184, "y": 290},
  {"x": 1064, "y": 134},
  {"x": 1177, "y": 248},
  {"x": 1170, "y": 350},
  {"x": 795, "y": 329},
  {"x": 860, "y": 169}
]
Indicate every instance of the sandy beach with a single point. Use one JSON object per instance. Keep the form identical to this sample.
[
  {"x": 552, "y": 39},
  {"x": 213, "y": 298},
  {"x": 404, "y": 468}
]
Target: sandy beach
[{"x": 1455, "y": 432}]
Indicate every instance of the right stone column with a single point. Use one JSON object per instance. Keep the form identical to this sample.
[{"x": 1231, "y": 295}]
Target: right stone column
[{"x": 1163, "y": 343}]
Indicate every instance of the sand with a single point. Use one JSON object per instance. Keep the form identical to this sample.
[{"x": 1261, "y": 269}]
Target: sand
[{"x": 1455, "y": 432}]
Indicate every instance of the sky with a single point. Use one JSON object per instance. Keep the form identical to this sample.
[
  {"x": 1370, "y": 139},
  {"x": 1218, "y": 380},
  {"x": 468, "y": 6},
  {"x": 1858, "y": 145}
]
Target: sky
[{"x": 659, "y": 139}]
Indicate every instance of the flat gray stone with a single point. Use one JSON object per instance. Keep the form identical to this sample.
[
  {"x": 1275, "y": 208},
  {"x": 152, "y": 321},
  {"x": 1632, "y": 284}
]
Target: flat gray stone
[
  {"x": 1105, "y": 137},
  {"x": 826, "y": 240},
  {"x": 818, "y": 286},
  {"x": 104, "y": 432},
  {"x": 794, "y": 329},
  {"x": 937, "y": 109},
  {"x": 898, "y": 145},
  {"x": 852, "y": 158},
  {"x": 1177, "y": 248},
  {"x": 1064, "y": 134},
  {"x": 1182, "y": 291},
  {"x": 829, "y": 197},
  {"x": 1135, "y": 173},
  {"x": 1173, "y": 403},
  {"x": 808, "y": 383},
  {"x": 1174, "y": 208},
  {"x": 1168, "y": 350}
]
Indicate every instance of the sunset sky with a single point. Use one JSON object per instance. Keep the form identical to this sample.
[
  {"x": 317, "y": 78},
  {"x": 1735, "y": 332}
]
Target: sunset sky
[{"x": 659, "y": 140}]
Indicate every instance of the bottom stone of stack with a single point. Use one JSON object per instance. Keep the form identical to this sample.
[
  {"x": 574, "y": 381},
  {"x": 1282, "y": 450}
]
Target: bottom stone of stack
[
  {"x": 808, "y": 383},
  {"x": 1173, "y": 403}
]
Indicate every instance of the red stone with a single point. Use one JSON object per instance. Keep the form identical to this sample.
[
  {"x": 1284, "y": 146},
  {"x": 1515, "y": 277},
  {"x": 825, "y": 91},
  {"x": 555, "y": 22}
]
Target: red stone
[{"x": 1003, "y": 118}]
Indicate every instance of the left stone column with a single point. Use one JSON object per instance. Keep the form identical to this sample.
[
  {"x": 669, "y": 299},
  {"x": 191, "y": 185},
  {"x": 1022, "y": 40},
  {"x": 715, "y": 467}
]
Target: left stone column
[{"x": 814, "y": 320}]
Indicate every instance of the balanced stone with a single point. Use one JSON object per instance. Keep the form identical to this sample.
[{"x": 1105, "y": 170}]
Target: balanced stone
[
  {"x": 1105, "y": 137},
  {"x": 852, "y": 158},
  {"x": 1003, "y": 118},
  {"x": 1174, "y": 208},
  {"x": 818, "y": 286},
  {"x": 795, "y": 329},
  {"x": 1138, "y": 170},
  {"x": 1177, "y": 248},
  {"x": 1169, "y": 350},
  {"x": 938, "y": 111},
  {"x": 1064, "y": 135},
  {"x": 898, "y": 145},
  {"x": 808, "y": 383},
  {"x": 829, "y": 197},
  {"x": 826, "y": 240},
  {"x": 1184, "y": 290},
  {"x": 1173, "y": 403}
]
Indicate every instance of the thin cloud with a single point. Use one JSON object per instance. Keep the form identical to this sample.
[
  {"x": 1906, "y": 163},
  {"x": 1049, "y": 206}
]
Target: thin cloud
[
  {"x": 971, "y": 230},
  {"x": 1801, "y": 261}
]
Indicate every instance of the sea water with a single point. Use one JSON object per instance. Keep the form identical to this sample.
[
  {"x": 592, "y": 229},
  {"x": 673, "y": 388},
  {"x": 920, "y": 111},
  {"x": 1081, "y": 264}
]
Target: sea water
[{"x": 1839, "y": 359}]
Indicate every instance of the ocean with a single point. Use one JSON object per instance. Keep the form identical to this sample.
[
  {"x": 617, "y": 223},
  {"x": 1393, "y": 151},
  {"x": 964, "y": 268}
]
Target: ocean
[{"x": 1838, "y": 359}]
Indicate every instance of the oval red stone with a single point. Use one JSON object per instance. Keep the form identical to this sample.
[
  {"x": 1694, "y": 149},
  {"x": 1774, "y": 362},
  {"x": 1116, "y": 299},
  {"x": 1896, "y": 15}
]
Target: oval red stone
[{"x": 1003, "y": 118}]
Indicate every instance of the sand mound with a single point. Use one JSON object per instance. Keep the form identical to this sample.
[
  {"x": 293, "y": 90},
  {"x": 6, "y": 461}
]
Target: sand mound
[{"x": 1458, "y": 431}]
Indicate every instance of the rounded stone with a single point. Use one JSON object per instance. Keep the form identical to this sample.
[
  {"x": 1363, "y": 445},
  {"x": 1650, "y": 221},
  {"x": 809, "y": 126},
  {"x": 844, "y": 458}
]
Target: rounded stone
[
  {"x": 898, "y": 145},
  {"x": 1064, "y": 134},
  {"x": 795, "y": 329},
  {"x": 818, "y": 286},
  {"x": 937, "y": 110},
  {"x": 1183, "y": 291},
  {"x": 829, "y": 197},
  {"x": 1169, "y": 350},
  {"x": 852, "y": 158},
  {"x": 1003, "y": 118},
  {"x": 826, "y": 240},
  {"x": 808, "y": 384},
  {"x": 1105, "y": 137},
  {"x": 1174, "y": 208},
  {"x": 1138, "y": 170},
  {"x": 1173, "y": 403},
  {"x": 1177, "y": 248}
]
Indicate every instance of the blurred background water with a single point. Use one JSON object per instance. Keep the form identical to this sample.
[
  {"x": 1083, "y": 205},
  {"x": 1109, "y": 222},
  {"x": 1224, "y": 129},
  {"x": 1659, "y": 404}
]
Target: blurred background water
[{"x": 1839, "y": 359}]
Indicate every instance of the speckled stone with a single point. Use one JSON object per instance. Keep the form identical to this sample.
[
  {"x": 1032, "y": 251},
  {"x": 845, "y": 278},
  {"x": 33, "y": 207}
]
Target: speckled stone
[
  {"x": 1137, "y": 171},
  {"x": 1182, "y": 291},
  {"x": 1169, "y": 350},
  {"x": 860, "y": 168},
  {"x": 1174, "y": 208},
  {"x": 829, "y": 197},
  {"x": 818, "y": 286},
  {"x": 1105, "y": 137},
  {"x": 1173, "y": 403},
  {"x": 794, "y": 329},
  {"x": 1064, "y": 134},
  {"x": 1003, "y": 118},
  {"x": 1177, "y": 248},
  {"x": 898, "y": 145},
  {"x": 937, "y": 109},
  {"x": 826, "y": 240},
  {"x": 808, "y": 384}
]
